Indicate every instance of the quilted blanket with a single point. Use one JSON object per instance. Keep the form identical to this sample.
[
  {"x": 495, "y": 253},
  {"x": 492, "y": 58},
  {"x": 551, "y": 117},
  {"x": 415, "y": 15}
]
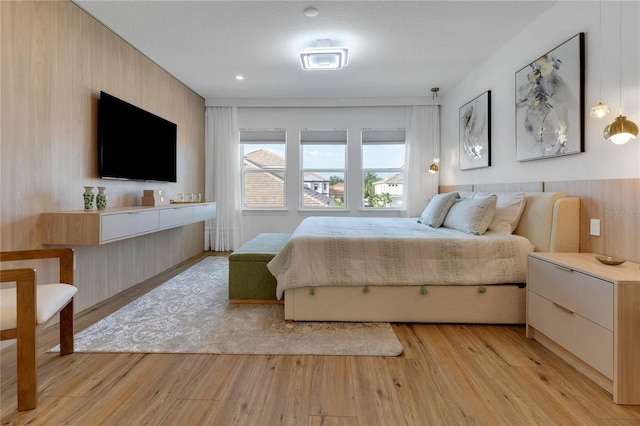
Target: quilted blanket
[{"x": 330, "y": 251}]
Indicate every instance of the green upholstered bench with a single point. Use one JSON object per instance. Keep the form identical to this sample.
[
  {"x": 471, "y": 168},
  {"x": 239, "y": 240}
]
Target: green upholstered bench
[{"x": 249, "y": 279}]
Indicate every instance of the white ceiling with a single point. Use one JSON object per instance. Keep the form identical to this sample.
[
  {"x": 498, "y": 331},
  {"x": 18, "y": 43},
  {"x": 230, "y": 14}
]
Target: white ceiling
[{"x": 397, "y": 48}]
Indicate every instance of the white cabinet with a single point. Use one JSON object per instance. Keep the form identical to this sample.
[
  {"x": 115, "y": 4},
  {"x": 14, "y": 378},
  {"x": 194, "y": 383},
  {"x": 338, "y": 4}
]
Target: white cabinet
[
  {"x": 104, "y": 226},
  {"x": 204, "y": 211},
  {"x": 176, "y": 216},
  {"x": 588, "y": 314},
  {"x": 116, "y": 226}
]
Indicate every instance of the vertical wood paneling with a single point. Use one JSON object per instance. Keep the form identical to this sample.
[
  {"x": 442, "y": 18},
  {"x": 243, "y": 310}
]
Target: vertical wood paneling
[
  {"x": 510, "y": 187},
  {"x": 616, "y": 202},
  {"x": 55, "y": 61}
]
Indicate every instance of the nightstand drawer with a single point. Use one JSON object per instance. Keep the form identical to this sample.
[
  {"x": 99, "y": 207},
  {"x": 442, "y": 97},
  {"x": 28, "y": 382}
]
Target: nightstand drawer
[
  {"x": 585, "y": 339},
  {"x": 590, "y": 297}
]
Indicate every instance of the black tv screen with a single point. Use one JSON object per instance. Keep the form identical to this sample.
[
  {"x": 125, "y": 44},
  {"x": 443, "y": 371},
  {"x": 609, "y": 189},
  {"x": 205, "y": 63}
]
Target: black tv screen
[{"x": 134, "y": 143}]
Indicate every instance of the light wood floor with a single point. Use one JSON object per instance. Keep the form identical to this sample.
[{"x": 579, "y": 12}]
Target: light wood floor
[{"x": 448, "y": 374}]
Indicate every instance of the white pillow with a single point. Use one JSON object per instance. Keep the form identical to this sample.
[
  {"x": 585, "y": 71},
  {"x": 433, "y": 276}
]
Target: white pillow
[
  {"x": 508, "y": 210},
  {"x": 437, "y": 209},
  {"x": 472, "y": 215}
]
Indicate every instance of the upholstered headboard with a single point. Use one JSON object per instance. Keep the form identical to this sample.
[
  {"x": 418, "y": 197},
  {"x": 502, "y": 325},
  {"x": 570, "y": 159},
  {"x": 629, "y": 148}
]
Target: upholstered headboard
[{"x": 551, "y": 221}]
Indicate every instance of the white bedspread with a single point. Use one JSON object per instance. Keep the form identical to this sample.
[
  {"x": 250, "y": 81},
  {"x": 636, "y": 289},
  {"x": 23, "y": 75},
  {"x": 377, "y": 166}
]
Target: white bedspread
[{"x": 330, "y": 251}]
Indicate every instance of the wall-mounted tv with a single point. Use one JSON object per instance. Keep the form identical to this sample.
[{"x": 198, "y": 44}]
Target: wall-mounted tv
[{"x": 133, "y": 143}]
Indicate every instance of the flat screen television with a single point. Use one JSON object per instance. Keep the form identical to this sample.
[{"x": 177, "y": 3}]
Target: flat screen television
[{"x": 133, "y": 143}]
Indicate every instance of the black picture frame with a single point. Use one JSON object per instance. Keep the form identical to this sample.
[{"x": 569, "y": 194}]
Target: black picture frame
[
  {"x": 475, "y": 132},
  {"x": 550, "y": 103}
]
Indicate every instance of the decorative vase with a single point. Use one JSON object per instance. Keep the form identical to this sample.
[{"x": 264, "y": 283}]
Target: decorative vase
[
  {"x": 88, "y": 197},
  {"x": 101, "y": 198}
]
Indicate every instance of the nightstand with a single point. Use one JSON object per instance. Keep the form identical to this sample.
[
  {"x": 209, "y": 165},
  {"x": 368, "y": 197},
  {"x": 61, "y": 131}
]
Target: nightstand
[{"x": 588, "y": 314}]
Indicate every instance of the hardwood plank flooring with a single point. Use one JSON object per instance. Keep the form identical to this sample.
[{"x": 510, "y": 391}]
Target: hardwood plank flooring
[{"x": 448, "y": 375}]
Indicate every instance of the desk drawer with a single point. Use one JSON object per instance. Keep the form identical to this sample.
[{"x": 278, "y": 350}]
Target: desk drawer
[
  {"x": 588, "y": 341},
  {"x": 590, "y": 297}
]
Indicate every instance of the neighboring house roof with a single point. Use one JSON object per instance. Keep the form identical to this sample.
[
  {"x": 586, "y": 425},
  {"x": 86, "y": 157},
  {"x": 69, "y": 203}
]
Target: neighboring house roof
[
  {"x": 314, "y": 177},
  {"x": 267, "y": 188},
  {"x": 265, "y": 159},
  {"x": 337, "y": 190},
  {"x": 391, "y": 180}
]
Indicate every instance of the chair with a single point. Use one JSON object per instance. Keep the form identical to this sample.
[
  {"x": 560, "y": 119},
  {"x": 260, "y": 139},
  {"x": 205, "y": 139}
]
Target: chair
[{"x": 26, "y": 306}]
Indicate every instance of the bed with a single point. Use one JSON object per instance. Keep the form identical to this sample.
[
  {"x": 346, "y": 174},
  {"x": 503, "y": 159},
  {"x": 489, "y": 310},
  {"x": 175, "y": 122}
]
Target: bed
[{"x": 405, "y": 270}]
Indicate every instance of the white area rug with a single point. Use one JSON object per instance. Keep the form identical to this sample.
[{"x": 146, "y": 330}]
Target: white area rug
[{"x": 191, "y": 313}]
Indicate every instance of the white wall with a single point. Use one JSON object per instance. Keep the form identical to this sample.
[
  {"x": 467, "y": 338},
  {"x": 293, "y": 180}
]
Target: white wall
[
  {"x": 601, "y": 160},
  {"x": 293, "y": 120}
]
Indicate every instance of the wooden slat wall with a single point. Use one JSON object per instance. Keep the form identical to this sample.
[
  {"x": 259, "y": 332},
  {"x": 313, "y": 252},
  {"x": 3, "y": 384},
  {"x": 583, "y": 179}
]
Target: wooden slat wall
[
  {"x": 450, "y": 188},
  {"x": 615, "y": 202},
  {"x": 55, "y": 61},
  {"x": 509, "y": 187}
]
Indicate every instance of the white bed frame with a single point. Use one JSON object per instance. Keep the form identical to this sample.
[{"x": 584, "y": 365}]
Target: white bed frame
[{"x": 550, "y": 221}]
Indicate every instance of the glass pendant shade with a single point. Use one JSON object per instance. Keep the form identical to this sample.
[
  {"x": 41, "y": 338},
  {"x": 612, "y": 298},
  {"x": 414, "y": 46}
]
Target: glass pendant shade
[
  {"x": 599, "y": 111},
  {"x": 621, "y": 130},
  {"x": 433, "y": 168}
]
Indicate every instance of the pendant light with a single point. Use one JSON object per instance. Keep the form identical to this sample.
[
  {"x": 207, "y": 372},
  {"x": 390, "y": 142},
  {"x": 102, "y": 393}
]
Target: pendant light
[
  {"x": 600, "y": 110},
  {"x": 621, "y": 130},
  {"x": 433, "y": 168}
]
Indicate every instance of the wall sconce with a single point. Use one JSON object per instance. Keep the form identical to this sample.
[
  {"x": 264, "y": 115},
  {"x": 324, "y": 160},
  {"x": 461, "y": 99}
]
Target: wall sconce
[
  {"x": 621, "y": 130},
  {"x": 433, "y": 168}
]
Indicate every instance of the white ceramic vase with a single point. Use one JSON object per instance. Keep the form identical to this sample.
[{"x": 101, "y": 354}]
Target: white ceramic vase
[
  {"x": 88, "y": 197},
  {"x": 101, "y": 198}
]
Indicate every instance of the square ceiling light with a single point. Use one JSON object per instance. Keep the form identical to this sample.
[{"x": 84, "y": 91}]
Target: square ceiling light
[{"x": 324, "y": 57}]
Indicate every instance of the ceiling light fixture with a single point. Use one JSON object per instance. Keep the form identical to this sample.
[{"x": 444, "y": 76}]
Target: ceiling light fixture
[
  {"x": 435, "y": 91},
  {"x": 324, "y": 57},
  {"x": 600, "y": 110},
  {"x": 621, "y": 130}
]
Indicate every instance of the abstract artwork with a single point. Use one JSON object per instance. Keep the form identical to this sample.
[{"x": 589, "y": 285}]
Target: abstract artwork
[
  {"x": 475, "y": 132},
  {"x": 550, "y": 103}
]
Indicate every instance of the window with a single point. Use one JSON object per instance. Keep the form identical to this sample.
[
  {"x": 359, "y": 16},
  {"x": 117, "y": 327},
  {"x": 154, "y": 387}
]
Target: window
[
  {"x": 383, "y": 155},
  {"x": 264, "y": 168},
  {"x": 323, "y": 155}
]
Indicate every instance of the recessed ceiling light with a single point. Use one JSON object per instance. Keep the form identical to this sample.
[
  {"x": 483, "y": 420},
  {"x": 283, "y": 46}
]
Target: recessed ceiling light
[
  {"x": 311, "y": 11},
  {"x": 239, "y": 77}
]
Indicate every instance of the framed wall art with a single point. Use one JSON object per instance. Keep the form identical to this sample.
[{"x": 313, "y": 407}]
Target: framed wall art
[
  {"x": 475, "y": 132},
  {"x": 550, "y": 103}
]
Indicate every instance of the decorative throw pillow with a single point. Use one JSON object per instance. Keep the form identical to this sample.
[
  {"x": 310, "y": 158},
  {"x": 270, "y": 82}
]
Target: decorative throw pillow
[
  {"x": 472, "y": 216},
  {"x": 508, "y": 211},
  {"x": 437, "y": 209}
]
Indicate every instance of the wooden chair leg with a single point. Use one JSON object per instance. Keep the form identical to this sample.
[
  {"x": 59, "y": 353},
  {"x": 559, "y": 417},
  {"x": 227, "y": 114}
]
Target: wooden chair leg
[
  {"x": 66, "y": 329},
  {"x": 26, "y": 344}
]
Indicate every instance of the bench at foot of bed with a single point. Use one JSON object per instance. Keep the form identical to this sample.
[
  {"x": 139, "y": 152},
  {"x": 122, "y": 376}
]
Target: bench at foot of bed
[{"x": 249, "y": 279}]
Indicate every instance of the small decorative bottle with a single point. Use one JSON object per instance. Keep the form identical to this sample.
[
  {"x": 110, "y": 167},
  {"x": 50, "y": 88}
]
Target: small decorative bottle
[
  {"x": 88, "y": 197},
  {"x": 101, "y": 198}
]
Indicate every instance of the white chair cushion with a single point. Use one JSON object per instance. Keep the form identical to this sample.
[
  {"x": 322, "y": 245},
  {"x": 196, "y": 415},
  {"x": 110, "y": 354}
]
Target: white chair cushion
[{"x": 51, "y": 298}]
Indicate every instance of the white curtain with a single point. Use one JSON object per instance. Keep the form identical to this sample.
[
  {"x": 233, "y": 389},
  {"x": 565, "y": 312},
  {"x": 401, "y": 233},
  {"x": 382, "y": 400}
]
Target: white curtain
[
  {"x": 223, "y": 178},
  {"x": 422, "y": 145}
]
